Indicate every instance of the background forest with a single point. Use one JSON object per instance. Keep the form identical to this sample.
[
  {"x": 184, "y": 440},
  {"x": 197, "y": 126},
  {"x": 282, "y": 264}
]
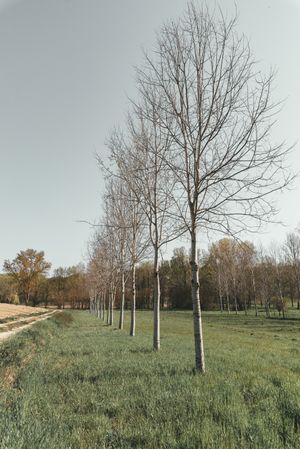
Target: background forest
[{"x": 234, "y": 277}]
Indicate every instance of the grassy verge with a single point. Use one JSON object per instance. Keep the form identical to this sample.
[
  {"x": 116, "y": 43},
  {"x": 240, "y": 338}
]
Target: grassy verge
[{"x": 72, "y": 382}]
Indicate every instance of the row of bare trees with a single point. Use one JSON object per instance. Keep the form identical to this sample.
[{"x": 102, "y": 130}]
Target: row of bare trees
[{"x": 195, "y": 155}]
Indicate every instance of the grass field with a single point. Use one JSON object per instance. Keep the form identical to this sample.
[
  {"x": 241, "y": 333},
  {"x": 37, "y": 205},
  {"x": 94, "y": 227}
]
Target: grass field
[{"x": 72, "y": 382}]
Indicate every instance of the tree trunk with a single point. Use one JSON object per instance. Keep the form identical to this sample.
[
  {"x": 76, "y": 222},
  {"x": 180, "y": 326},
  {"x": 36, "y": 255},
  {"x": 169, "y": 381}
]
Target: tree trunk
[
  {"x": 267, "y": 309},
  {"x": 254, "y": 292},
  {"x": 121, "y": 319},
  {"x": 199, "y": 349},
  {"x": 220, "y": 291},
  {"x": 108, "y": 308},
  {"x": 156, "y": 303},
  {"x": 133, "y": 303},
  {"x": 235, "y": 304},
  {"x": 245, "y": 305},
  {"x": 111, "y": 307},
  {"x": 227, "y": 299},
  {"x": 291, "y": 290},
  {"x": 103, "y": 305},
  {"x": 98, "y": 306},
  {"x": 298, "y": 290},
  {"x": 235, "y": 298}
]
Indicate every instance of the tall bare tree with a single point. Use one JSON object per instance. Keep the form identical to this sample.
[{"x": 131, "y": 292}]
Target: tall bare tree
[
  {"x": 214, "y": 104},
  {"x": 118, "y": 226},
  {"x": 129, "y": 217},
  {"x": 141, "y": 162},
  {"x": 138, "y": 244}
]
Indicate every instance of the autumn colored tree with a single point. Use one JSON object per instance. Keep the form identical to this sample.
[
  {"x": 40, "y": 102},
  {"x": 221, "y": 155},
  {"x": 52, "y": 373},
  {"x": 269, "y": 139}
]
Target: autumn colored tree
[
  {"x": 25, "y": 269},
  {"x": 8, "y": 289}
]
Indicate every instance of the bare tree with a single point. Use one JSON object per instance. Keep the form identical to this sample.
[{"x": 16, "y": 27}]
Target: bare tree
[
  {"x": 276, "y": 258},
  {"x": 97, "y": 272},
  {"x": 107, "y": 251},
  {"x": 141, "y": 162},
  {"x": 138, "y": 244},
  {"x": 214, "y": 104},
  {"x": 292, "y": 250},
  {"x": 119, "y": 227},
  {"x": 128, "y": 219}
]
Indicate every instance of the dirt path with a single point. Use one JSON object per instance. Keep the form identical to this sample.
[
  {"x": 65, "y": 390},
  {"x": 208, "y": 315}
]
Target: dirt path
[
  {"x": 15, "y": 327},
  {"x": 23, "y": 319}
]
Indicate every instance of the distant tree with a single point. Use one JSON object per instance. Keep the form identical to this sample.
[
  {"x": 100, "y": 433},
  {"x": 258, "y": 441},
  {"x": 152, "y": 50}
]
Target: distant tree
[
  {"x": 292, "y": 251},
  {"x": 57, "y": 286},
  {"x": 180, "y": 278},
  {"x": 116, "y": 199},
  {"x": 144, "y": 285},
  {"x": 67, "y": 287},
  {"x": 276, "y": 259},
  {"x": 8, "y": 289},
  {"x": 25, "y": 269},
  {"x": 98, "y": 274},
  {"x": 41, "y": 293},
  {"x": 77, "y": 289}
]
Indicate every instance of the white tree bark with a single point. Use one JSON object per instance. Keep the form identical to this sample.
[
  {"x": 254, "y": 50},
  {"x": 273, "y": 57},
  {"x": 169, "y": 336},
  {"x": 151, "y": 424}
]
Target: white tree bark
[
  {"x": 198, "y": 333},
  {"x": 156, "y": 303},
  {"x": 133, "y": 301}
]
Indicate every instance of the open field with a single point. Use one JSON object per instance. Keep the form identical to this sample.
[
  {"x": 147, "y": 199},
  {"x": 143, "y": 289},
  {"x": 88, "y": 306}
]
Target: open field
[
  {"x": 13, "y": 311},
  {"x": 73, "y": 382}
]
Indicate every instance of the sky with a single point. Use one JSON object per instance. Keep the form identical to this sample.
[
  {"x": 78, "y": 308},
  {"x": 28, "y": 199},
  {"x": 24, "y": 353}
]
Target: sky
[{"x": 66, "y": 72}]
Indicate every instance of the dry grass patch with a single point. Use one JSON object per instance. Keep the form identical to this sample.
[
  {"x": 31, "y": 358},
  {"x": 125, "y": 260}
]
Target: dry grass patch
[
  {"x": 9, "y": 376},
  {"x": 13, "y": 311}
]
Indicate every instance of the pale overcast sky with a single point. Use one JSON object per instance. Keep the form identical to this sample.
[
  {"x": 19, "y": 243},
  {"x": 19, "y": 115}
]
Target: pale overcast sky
[{"x": 65, "y": 73}]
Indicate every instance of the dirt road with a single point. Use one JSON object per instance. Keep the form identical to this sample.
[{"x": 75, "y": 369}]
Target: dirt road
[{"x": 14, "y": 326}]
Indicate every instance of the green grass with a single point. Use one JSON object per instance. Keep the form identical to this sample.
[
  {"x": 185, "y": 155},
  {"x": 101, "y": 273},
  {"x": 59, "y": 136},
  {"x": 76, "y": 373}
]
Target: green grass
[{"x": 77, "y": 383}]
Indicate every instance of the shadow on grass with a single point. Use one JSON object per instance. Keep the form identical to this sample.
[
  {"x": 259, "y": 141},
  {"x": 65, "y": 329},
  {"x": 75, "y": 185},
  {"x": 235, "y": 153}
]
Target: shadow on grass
[{"x": 283, "y": 320}]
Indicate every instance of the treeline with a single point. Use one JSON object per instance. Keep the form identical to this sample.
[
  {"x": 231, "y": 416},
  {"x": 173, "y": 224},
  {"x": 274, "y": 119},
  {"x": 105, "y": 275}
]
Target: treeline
[
  {"x": 26, "y": 282},
  {"x": 234, "y": 277}
]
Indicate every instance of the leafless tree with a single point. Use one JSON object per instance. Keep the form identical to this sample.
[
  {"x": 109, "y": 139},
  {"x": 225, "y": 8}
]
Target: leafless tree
[
  {"x": 98, "y": 271},
  {"x": 141, "y": 162},
  {"x": 276, "y": 258},
  {"x": 127, "y": 220},
  {"x": 137, "y": 244},
  {"x": 107, "y": 255},
  {"x": 215, "y": 105},
  {"x": 119, "y": 227},
  {"x": 292, "y": 250}
]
